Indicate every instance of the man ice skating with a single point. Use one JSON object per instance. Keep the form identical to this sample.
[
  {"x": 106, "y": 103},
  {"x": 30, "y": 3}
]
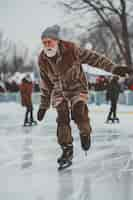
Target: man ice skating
[
  {"x": 26, "y": 99},
  {"x": 63, "y": 84}
]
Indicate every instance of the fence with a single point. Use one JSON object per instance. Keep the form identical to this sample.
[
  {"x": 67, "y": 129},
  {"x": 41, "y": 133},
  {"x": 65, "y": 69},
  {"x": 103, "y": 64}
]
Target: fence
[{"x": 94, "y": 97}]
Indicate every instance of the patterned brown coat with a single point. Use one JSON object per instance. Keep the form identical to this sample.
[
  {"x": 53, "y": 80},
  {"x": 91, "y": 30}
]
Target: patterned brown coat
[{"x": 63, "y": 76}]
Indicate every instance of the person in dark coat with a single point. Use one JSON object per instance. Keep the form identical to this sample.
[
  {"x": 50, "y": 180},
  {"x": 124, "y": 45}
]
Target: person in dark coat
[
  {"x": 26, "y": 99},
  {"x": 112, "y": 95}
]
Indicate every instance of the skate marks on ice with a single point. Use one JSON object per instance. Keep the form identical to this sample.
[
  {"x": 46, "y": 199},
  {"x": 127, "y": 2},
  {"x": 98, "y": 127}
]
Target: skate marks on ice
[
  {"x": 25, "y": 152},
  {"x": 111, "y": 153},
  {"x": 16, "y": 147},
  {"x": 28, "y": 165},
  {"x": 84, "y": 186},
  {"x": 14, "y": 129},
  {"x": 105, "y": 136},
  {"x": 65, "y": 191},
  {"x": 27, "y": 155},
  {"x": 105, "y": 178}
]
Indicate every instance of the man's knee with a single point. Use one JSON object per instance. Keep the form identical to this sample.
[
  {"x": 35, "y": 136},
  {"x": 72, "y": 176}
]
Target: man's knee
[
  {"x": 80, "y": 112},
  {"x": 81, "y": 118},
  {"x": 63, "y": 113}
]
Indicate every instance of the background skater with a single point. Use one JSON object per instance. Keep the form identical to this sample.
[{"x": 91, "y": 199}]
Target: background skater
[
  {"x": 26, "y": 99},
  {"x": 112, "y": 95}
]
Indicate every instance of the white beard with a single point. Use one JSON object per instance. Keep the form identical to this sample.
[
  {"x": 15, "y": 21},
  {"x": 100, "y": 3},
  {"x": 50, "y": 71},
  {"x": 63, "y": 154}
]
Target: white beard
[{"x": 50, "y": 52}]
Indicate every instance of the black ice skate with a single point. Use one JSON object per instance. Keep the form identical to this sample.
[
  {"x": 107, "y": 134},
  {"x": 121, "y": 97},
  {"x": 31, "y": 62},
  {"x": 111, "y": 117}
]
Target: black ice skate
[
  {"x": 66, "y": 158},
  {"x": 32, "y": 123},
  {"x": 26, "y": 124},
  {"x": 85, "y": 141},
  {"x": 109, "y": 120},
  {"x": 112, "y": 120},
  {"x": 116, "y": 119},
  {"x": 64, "y": 164}
]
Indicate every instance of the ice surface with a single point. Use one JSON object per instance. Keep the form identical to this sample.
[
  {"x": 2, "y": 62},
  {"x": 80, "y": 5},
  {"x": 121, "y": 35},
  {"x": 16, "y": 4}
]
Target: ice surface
[{"x": 28, "y": 168}]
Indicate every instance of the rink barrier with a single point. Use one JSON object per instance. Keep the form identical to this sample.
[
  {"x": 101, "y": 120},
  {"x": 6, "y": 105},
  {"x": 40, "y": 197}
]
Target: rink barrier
[{"x": 95, "y": 97}]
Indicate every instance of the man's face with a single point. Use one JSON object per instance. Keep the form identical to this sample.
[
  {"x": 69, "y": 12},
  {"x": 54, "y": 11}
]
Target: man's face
[{"x": 50, "y": 46}]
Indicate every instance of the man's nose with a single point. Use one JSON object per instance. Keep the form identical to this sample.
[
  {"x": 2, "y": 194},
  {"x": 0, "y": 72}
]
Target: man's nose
[{"x": 47, "y": 44}]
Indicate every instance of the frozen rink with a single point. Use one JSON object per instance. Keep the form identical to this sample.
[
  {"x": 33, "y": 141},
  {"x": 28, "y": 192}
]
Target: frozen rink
[{"x": 28, "y": 168}]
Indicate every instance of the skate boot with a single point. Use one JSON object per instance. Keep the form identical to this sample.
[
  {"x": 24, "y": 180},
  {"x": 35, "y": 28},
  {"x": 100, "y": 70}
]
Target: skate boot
[
  {"x": 33, "y": 122},
  {"x": 85, "y": 141},
  {"x": 67, "y": 154},
  {"x": 65, "y": 160},
  {"x": 116, "y": 119},
  {"x": 110, "y": 120},
  {"x": 26, "y": 123}
]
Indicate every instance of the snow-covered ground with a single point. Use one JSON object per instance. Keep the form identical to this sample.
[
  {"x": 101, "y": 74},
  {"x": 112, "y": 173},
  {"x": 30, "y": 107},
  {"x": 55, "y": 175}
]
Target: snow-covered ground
[{"x": 28, "y": 168}]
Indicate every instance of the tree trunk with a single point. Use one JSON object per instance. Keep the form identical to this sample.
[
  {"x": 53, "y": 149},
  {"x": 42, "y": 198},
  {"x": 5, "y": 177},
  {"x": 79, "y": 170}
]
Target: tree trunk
[{"x": 125, "y": 37}]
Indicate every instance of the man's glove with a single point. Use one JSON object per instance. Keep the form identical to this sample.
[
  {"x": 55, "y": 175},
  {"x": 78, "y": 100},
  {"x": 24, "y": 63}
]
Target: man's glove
[
  {"x": 40, "y": 114},
  {"x": 122, "y": 70}
]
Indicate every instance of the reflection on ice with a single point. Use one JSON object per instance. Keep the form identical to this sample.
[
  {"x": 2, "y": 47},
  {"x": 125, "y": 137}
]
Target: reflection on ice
[
  {"x": 27, "y": 154},
  {"x": 65, "y": 191}
]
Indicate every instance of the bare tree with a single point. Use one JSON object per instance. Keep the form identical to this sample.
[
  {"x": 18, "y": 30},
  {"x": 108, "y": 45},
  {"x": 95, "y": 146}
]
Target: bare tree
[
  {"x": 102, "y": 40},
  {"x": 18, "y": 59},
  {"x": 106, "y": 10},
  {"x": 5, "y": 46}
]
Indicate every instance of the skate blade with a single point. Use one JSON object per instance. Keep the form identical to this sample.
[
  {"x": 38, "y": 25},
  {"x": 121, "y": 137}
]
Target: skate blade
[
  {"x": 64, "y": 165},
  {"x": 117, "y": 121},
  {"x": 30, "y": 124},
  {"x": 109, "y": 122},
  {"x": 113, "y": 122},
  {"x": 27, "y": 125},
  {"x": 33, "y": 123}
]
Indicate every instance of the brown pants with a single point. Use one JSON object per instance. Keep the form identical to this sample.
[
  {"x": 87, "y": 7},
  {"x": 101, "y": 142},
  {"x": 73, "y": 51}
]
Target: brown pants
[{"x": 79, "y": 114}]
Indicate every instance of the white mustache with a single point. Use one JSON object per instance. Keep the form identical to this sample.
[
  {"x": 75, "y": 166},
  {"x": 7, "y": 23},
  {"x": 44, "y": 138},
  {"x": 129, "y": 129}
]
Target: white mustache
[
  {"x": 50, "y": 52},
  {"x": 50, "y": 49}
]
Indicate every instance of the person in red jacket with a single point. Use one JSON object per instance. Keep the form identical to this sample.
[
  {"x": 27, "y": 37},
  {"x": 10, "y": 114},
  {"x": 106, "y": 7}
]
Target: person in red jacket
[{"x": 26, "y": 99}]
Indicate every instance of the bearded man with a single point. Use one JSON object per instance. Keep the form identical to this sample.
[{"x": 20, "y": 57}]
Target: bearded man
[{"x": 64, "y": 85}]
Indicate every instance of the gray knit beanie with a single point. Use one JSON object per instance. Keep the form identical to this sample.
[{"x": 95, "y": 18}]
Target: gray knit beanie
[{"x": 51, "y": 32}]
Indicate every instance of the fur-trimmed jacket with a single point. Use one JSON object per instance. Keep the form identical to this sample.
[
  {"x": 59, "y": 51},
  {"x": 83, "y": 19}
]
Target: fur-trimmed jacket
[{"x": 63, "y": 74}]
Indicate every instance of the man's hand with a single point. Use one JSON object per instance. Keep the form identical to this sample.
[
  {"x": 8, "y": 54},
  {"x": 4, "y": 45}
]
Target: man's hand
[
  {"x": 40, "y": 114},
  {"x": 122, "y": 70}
]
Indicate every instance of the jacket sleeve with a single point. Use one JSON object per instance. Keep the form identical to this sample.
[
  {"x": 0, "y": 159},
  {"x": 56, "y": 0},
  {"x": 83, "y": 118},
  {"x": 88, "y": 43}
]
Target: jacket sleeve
[
  {"x": 46, "y": 89},
  {"x": 96, "y": 60}
]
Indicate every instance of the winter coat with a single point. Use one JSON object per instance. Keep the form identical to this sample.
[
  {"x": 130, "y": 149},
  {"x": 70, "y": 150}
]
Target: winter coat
[
  {"x": 63, "y": 74},
  {"x": 113, "y": 91},
  {"x": 26, "y": 93}
]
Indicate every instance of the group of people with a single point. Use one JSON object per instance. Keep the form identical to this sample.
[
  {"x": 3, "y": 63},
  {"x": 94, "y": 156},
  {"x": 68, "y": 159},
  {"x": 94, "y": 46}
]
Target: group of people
[
  {"x": 7, "y": 86},
  {"x": 13, "y": 86},
  {"x": 64, "y": 86}
]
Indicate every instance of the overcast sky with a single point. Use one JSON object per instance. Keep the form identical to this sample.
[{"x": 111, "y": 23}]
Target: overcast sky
[{"x": 24, "y": 20}]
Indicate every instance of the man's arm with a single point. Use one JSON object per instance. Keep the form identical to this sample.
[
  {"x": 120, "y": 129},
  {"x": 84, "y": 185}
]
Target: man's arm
[
  {"x": 96, "y": 60},
  {"x": 46, "y": 88}
]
